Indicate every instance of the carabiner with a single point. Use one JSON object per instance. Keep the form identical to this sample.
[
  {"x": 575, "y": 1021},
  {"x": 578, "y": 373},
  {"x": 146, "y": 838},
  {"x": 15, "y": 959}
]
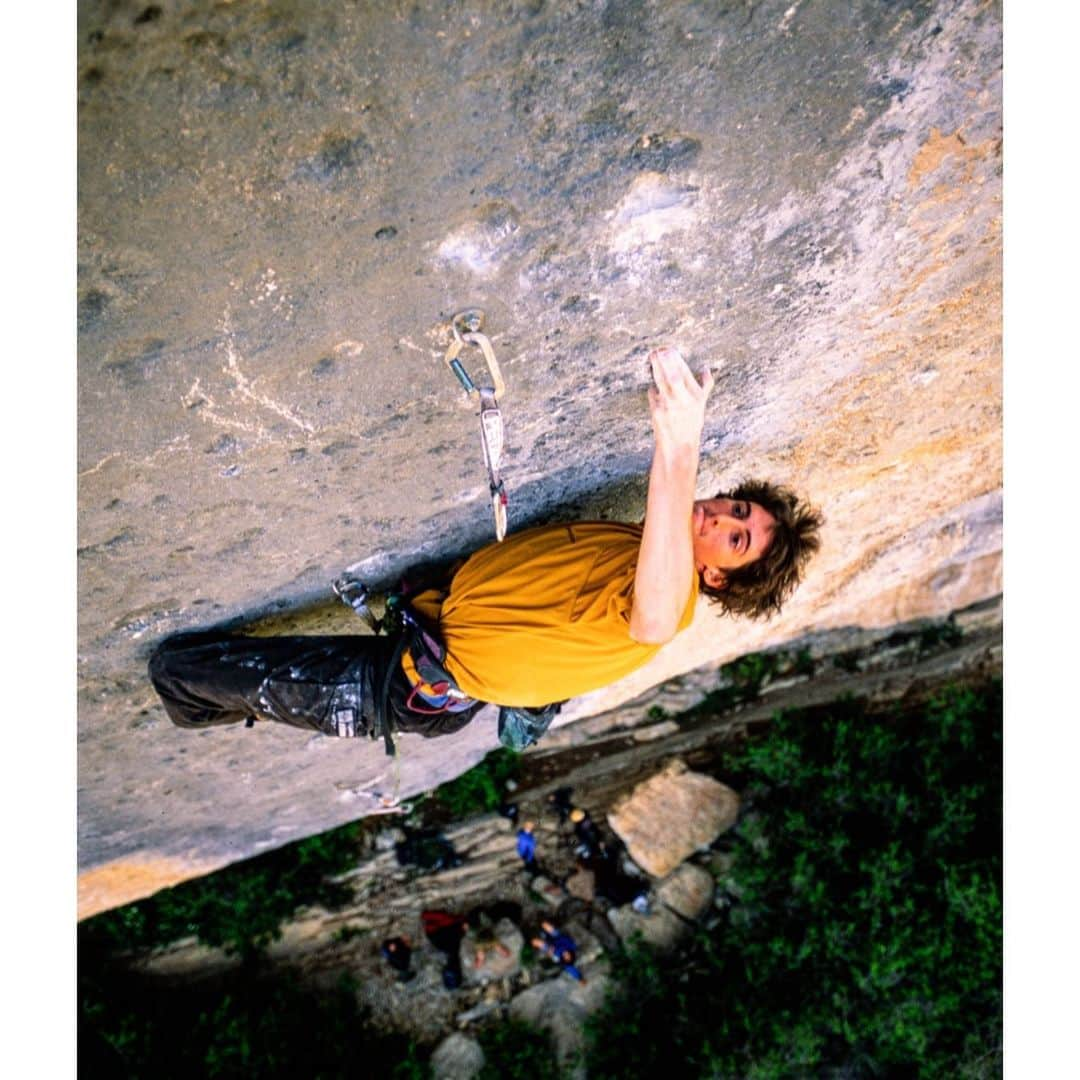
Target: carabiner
[{"x": 466, "y": 327}]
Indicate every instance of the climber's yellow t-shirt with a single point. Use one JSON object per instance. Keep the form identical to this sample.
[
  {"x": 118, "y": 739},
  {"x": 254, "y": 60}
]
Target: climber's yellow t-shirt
[{"x": 545, "y": 615}]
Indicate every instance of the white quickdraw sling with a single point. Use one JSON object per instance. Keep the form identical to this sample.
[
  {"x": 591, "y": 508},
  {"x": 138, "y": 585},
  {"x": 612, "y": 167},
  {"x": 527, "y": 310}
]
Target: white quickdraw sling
[{"x": 466, "y": 327}]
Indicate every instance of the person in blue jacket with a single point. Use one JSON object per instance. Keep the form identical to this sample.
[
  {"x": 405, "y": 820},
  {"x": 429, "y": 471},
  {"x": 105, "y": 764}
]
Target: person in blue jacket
[
  {"x": 560, "y": 946},
  {"x": 526, "y": 846}
]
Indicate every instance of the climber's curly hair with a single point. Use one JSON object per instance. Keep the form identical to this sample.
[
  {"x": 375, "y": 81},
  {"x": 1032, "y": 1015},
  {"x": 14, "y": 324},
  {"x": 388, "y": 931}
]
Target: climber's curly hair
[{"x": 760, "y": 589}]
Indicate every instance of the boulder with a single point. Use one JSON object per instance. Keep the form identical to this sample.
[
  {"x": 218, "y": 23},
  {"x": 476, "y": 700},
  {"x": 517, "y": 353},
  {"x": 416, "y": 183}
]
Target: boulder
[
  {"x": 542, "y": 890},
  {"x": 582, "y": 885},
  {"x": 495, "y": 963},
  {"x": 560, "y": 1006},
  {"x": 666, "y": 818},
  {"x": 457, "y": 1057},
  {"x": 677, "y": 904}
]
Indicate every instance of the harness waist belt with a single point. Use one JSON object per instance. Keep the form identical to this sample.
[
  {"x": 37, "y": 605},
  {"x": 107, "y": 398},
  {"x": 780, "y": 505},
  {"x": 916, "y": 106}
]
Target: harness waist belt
[{"x": 430, "y": 682}]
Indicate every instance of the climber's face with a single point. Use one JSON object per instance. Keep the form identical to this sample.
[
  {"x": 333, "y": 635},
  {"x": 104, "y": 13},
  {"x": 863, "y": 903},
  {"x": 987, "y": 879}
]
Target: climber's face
[{"x": 728, "y": 534}]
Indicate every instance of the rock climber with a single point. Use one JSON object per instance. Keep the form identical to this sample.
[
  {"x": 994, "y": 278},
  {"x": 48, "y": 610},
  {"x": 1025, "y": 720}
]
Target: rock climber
[
  {"x": 550, "y": 613},
  {"x": 589, "y": 843}
]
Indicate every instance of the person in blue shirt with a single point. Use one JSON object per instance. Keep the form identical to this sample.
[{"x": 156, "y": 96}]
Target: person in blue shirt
[
  {"x": 560, "y": 946},
  {"x": 526, "y": 846}
]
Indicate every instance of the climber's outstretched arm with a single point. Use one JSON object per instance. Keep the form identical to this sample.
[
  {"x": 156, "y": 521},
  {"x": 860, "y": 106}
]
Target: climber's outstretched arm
[{"x": 665, "y": 568}]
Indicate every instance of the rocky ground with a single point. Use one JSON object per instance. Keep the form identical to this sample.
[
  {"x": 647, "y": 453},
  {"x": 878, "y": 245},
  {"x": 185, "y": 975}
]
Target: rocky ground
[{"x": 648, "y": 784}]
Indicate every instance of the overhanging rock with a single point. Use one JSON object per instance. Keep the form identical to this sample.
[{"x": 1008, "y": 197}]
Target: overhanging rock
[{"x": 280, "y": 206}]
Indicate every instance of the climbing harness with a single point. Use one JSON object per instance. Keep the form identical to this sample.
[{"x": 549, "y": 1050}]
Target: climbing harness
[
  {"x": 466, "y": 326},
  {"x": 353, "y": 592},
  {"x": 433, "y": 691}
]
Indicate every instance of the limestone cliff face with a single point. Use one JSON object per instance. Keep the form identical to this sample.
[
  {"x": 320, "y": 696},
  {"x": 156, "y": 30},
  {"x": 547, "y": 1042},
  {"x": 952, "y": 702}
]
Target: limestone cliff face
[{"x": 280, "y": 205}]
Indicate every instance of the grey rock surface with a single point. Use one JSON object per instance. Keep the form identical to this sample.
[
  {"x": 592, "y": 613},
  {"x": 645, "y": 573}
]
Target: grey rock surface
[
  {"x": 457, "y": 1057},
  {"x": 499, "y": 954},
  {"x": 666, "y": 818},
  {"x": 560, "y": 1007},
  {"x": 280, "y": 205},
  {"x": 679, "y": 900}
]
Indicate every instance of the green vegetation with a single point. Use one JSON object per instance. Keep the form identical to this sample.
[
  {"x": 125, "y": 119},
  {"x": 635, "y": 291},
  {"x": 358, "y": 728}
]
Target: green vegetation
[
  {"x": 350, "y": 933},
  {"x": 749, "y": 673},
  {"x": 481, "y": 789},
  {"x": 247, "y": 1026},
  {"x": 264, "y": 1024},
  {"x": 863, "y": 930},
  {"x": 250, "y": 1024},
  {"x": 743, "y": 679},
  {"x": 241, "y": 907},
  {"x": 860, "y": 932},
  {"x": 517, "y": 1051},
  {"x": 946, "y": 634}
]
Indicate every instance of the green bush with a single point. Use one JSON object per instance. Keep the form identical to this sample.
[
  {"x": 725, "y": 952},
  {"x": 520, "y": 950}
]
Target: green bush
[
  {"x": 864, "y": 924},
  {"x": 751, "y": 671},
  {"x": 240, "y": 1026},
  {"x": 482, "y": 788},
  {"x": 517, "y": 1051},
  {"x": 743, "y": 679}
]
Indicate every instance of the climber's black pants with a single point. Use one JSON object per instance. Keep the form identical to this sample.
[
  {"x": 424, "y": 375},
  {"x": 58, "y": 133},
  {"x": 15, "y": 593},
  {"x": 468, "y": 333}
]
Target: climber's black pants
[{"x": 328, "y": 684}]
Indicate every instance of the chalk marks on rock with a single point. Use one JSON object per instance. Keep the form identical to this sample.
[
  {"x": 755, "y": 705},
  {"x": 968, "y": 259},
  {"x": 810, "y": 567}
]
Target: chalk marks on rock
[
  {"x": 482, "y": 244},
  {"x": 654, "y": 207}
]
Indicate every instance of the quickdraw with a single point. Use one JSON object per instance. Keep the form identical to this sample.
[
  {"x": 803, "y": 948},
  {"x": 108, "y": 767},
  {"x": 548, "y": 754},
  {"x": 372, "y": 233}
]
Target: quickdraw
[
  {"x": 352, "y": 591},
  {"x": 466, "y": 326}
]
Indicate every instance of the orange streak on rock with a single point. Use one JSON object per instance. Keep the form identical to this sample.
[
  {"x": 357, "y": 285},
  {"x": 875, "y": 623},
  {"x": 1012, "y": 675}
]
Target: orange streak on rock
[
  {"x": 126, "y": 880},
  {"x": 938, "y": 147}
]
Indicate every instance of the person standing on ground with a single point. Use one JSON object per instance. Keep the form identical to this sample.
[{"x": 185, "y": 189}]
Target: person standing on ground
[
  {"x": 526, "y": 846},
  {"x": 446, "y": 930},
  {"x": 590, "y": 845}
]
